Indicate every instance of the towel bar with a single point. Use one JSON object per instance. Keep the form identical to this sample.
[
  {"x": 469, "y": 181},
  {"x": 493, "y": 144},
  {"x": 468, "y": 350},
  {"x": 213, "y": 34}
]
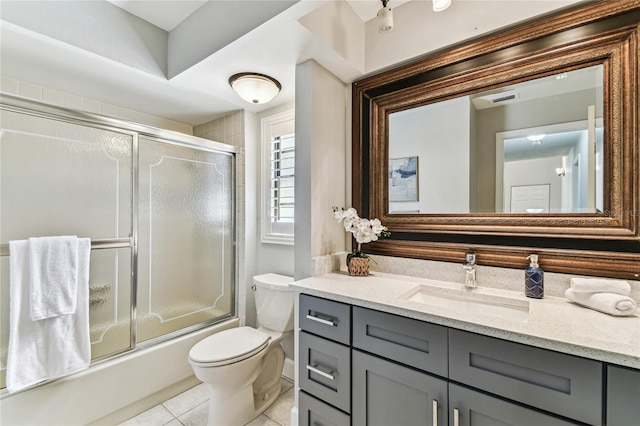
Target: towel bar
[{"x": 95, "y": 245}]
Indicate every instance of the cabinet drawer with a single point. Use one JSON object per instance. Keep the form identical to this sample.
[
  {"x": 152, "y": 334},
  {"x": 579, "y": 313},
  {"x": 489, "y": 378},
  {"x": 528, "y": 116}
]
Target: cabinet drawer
[
  {"x": 551, "y": 381},
  {"x": 325, "y": 370},
  {"x": 471, "y": 408},
  {"x": 313, "y": 412},
  {"x": 326, "y": 318},
  {"x": 623, "y": 389},
  {"x": 412, "y": 342},
  {"x": 385, "y": 394}
]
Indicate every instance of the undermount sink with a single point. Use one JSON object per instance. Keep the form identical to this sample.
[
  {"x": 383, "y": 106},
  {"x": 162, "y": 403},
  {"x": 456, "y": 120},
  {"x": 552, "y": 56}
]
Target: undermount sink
[{"x": 478, "y": 301}]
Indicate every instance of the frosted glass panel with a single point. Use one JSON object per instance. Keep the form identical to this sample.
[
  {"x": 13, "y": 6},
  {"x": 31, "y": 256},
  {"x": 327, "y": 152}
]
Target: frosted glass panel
[
  {"x": 109, "y": 304},
  {"x": 185, "y": 249},
  {"x": 58, "y": 178},
  {"x": 110, "y": 301}
]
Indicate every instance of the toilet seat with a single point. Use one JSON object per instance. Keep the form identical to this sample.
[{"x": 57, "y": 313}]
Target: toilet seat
[{"x": 228, "y": 347}]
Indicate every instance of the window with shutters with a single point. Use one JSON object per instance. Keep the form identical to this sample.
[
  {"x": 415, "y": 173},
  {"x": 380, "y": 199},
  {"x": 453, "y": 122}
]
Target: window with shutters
[{"x": 278, "y": 159}]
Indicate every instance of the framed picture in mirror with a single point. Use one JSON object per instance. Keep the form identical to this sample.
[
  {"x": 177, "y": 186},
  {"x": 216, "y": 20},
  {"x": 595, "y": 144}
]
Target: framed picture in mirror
[{"x": 403, "y": 179}]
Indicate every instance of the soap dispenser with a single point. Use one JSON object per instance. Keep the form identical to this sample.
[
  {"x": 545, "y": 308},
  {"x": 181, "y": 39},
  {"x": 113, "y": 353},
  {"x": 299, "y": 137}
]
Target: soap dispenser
[{"x": 534, "y": 279}]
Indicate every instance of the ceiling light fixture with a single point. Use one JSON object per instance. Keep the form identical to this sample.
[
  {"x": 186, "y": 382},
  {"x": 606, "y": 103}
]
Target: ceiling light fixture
[
  {"x": 440, "y": 5},
  {"x": 255, "y": 88},
  {"x": 385, "y": 18},
  {"x": 535, "y": 139}
]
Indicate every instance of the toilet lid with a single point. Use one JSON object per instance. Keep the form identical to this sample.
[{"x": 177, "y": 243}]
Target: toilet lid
[{"x": 229, "y": 345}]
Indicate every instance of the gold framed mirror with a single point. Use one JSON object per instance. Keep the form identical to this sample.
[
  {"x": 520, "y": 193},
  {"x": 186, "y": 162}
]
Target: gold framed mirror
[{"x": 524, "y": 141}]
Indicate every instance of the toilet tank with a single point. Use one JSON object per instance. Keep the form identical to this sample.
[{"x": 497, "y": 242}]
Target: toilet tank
[{"x": 274, "y": 301}]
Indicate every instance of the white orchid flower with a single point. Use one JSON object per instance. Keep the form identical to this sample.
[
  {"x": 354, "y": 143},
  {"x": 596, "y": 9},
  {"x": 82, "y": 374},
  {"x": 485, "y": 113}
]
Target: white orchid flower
[{"x": 363, "y": 230}]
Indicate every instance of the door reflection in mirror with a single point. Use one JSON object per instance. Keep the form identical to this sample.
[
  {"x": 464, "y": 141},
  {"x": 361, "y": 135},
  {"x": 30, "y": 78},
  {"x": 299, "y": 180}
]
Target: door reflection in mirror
[{"x": 561, "y": 157}]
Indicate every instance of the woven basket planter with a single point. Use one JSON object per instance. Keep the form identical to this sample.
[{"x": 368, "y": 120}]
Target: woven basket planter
[{"x": 358, "y": 266}]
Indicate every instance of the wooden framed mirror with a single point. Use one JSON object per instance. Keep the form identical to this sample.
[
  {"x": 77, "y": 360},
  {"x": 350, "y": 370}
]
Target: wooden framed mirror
[{"x": 524, "y": 141}]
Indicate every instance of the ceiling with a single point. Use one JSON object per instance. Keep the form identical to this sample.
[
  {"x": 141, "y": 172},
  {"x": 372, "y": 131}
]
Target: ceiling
[
  {"x": 54, "y": 52},
  {"x": 173, "y": 12},
  {"x": 166, "y": 16}
]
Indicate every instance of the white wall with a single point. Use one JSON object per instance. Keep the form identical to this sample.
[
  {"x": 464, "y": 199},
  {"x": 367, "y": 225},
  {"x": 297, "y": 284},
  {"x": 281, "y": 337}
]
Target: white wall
[
  {"x": 419, "y": 30},
  {"x": 338, "y": 39},
  {"x": 442, "y": 147},
  {"x": 95, "y": 26},
  {"x": 67, "y": 100},
  {"x": 321, "y": 165},
  {"x": 214, "y": 26}
]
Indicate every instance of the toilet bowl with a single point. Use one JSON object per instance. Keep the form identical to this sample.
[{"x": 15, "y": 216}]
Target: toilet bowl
[{"x": 242, "y": 366}]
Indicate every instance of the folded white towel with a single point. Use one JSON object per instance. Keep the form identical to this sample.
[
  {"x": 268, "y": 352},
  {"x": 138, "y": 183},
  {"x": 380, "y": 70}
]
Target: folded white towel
[
  {"x": 53, "y": 269},
  {"x": 609, "y": 303},
  {"x": 52, "y": 347},
  {"x": 600, "y": 285}
]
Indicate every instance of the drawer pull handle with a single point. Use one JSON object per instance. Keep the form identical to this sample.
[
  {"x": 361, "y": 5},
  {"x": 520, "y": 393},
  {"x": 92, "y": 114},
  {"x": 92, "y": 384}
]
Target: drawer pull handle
[
  {"x": 321, "y": 320},
  {"x": 435, "y": 412},
  {"x": 320, "y": 372},
  {"x": 456, "y": 417}
]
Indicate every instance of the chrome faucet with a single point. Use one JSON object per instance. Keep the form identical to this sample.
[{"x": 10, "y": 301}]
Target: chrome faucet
[{"x": 470, "y": 271}]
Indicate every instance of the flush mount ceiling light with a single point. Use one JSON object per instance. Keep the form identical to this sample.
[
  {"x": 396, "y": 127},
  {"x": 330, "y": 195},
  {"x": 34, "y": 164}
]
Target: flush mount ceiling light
[
  {"x": 440, "y": 5},
  {"x": 535, "y": 139},
  {"x": 385, "y": 18},
  {"x": 255, "y": 88}
]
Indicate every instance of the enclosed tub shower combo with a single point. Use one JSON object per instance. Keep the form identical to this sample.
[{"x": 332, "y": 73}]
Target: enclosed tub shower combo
[{"x": 158, "y": 207}]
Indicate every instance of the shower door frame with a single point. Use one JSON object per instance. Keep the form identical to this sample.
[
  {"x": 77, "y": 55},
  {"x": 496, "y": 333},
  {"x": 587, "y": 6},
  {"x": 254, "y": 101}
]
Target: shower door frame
[{"x": 135, "y": 130}]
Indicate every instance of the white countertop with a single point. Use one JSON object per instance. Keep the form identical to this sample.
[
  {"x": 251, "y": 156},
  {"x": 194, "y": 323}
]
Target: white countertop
[{"x": 552, "y": 323}]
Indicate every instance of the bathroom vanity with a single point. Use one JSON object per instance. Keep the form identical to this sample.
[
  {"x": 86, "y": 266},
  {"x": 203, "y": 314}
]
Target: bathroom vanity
[{"x": 387, "y": 349}]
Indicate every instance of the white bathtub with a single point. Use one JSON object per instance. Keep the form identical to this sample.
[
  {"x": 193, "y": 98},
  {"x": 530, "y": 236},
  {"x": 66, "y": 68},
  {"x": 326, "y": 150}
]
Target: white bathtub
[{"x": 110, "y": 392}]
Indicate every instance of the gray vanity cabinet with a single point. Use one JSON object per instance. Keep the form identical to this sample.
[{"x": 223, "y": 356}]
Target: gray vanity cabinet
[
  {"x": 386, "y": 393},
  {"x": 623, "y": 396},
  {"x": 360, "y": 366},
  {"x": 405, "y": 340},
  {"x": 324, "y": 367},
  {"x": 326, "y": 318},
  {"x": 554, "y": 382},
  {"x": 469, "y": 407},
  {"x": 312, "y": 411},
  {"x": 325, "y": 370},
  {"x": 398, "y": 390}
]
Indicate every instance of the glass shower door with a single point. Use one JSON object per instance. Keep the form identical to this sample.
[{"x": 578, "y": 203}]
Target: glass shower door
[
  {"x": 186, "y": 237},
  {"x": 61, "y": 178}
]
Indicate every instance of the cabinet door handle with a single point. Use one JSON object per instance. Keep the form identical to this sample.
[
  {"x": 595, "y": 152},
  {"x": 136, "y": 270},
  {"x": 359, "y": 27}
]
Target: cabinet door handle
[
  {"x": 456, "y": 417},
  {"x": 320, "y": 372},
  {"x": 435, "y": 412},
  {"x": 321, "y": 320}
]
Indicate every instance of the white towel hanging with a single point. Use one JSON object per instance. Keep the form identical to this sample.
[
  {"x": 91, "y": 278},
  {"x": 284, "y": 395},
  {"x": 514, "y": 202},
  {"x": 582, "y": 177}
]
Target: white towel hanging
[
  {"x": 53, "y": 269},
  {"x": 52, "y": 347}
]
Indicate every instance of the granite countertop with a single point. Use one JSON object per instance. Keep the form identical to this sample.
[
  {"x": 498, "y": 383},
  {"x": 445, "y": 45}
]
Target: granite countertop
[{"x": 551, "y": 323}]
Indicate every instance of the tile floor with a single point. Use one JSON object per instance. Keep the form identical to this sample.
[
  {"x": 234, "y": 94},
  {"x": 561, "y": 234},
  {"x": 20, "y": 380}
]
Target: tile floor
[{"x": 191, "y": 407}]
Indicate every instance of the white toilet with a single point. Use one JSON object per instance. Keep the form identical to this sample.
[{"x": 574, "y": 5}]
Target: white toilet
[{"x": 243, "y": 365}]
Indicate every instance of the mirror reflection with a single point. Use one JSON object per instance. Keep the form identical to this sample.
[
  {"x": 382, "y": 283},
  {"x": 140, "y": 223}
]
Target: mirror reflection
[{"x": 534, "y": 147}]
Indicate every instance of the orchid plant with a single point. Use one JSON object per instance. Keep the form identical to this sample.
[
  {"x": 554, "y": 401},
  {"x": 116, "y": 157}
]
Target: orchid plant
[{"x": 363, "y": 230}]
